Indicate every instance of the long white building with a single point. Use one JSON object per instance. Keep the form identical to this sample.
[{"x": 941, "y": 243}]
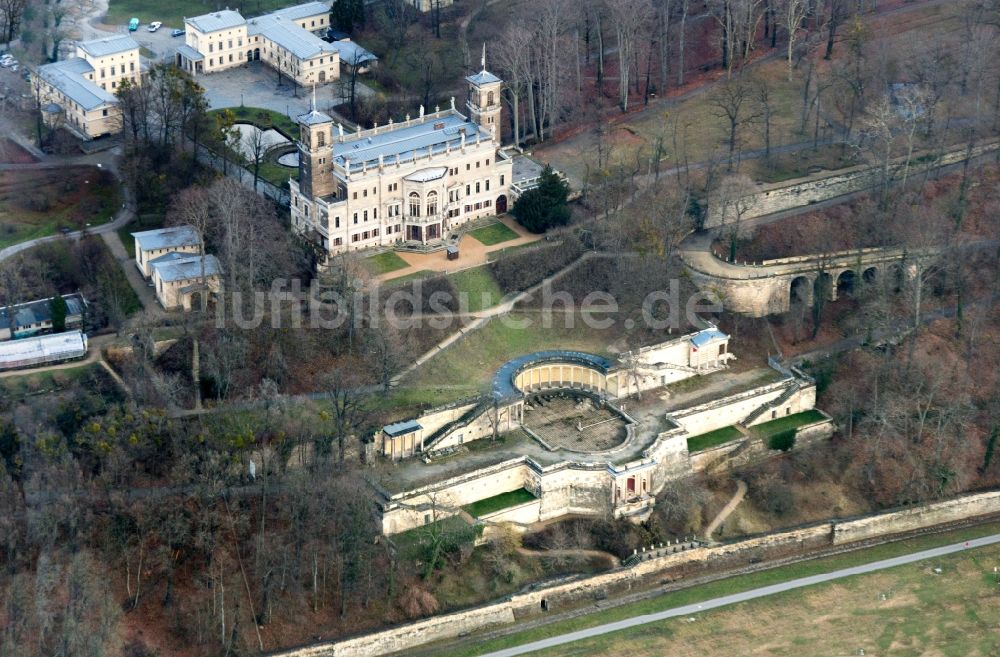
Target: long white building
[{"x": 408, "y": 181}]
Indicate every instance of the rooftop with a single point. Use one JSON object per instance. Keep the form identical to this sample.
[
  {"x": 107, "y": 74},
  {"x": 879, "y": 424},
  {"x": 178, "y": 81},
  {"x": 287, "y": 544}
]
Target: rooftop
[
  {"x": 40, "y": 310},
  {"x": 702, "y": 338},
  {"x": 166, "y": 238},
  {"x": 400, "y": 428},
  {"x": 483, "y": 77},
  {"x": 503, "y": 380},
  {"x": 287, "y": 34},
  {"x": 314, "y": 117},
  {"x": 407, "y": 141},
  {"x": 352, "y": 53},
  {"x": 67, "y": 77},
  {"x": 424, "y": 175},
  {"x": 217, "y": 20},
  {"x": 185, "y": 269},
  {"x": 190, "y": 53},
  {"x": 65, "y": 345},
  {"x": 108, "y": 45},
  {"x": 305, "y": 10}
]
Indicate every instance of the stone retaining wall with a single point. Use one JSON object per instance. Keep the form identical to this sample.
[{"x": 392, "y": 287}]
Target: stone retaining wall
[
  {"x": 659, "y": 563},
  {"x": 826, "y": 185}
]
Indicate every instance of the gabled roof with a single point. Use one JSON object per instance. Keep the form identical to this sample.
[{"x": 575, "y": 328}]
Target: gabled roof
[
  {"x": 284, "y": 32},
  {"x": 226, "y": 19},
  {"x": 40, "y": 311},
  {"x": 185, "y": 269},
  {"x": 108, "y": 45},
  {"x": 702, "y": 338},
  {"x": 67, "y": 77},
  {"x": 305, "y": 10},
  {"x": 483, "y": 77},
  {"x": 167, "y": 257},
  {"x": 353, "y": 54},
  {"x": 167, "y": 238}
]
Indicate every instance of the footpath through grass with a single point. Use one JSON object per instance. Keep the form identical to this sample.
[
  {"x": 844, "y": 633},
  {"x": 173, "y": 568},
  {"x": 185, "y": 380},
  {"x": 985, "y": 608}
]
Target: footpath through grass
[
  {"x": 724, "y": 587},
  {"x": 713, "y": 438}
]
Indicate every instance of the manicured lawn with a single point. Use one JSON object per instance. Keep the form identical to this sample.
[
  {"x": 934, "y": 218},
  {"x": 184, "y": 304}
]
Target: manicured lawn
[
  {"x": 409, "y": 278},
  {"x": 781, "y": 424},
  {"x": 385, "y": 262},
  {"x": 172, "y": 13},
  {"x": 498, "y": 502},
  {"x": 849, "y": 611},
  {"x": 264, "y": 118},
  {"x": 141, "y": 223},
  {"x": 713, "y": 438},
  {"x": 494, "y": 234},
  {"x": 478, "y": 286}
]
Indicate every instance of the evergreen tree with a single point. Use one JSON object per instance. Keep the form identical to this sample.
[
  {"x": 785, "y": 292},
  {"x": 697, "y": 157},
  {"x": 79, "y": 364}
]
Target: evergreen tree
[
  {"x": 57, "y": 306},
  {"x": 348, "y": 14},
  {"x": 545, "y": 206}
]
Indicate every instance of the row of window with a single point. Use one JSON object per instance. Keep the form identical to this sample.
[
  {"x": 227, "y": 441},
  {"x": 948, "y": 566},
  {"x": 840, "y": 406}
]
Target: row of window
[
  {"x": 369, "y": 234},
  {"x": 113, "y": 68}
]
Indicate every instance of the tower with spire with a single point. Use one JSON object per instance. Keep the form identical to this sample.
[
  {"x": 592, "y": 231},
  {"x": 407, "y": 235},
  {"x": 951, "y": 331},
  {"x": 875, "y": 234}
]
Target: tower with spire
[
  {"x": 315, "y": 156},
  {"x": 484, "y": 98}
]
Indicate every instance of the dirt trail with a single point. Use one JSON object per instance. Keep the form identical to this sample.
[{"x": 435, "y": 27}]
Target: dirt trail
[{"x": 741, "y": 491}]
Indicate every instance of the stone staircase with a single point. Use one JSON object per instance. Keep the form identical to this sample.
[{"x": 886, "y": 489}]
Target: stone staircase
[
  {"x": 458, "y": 423},
  {"x": 777, "y": 401}
]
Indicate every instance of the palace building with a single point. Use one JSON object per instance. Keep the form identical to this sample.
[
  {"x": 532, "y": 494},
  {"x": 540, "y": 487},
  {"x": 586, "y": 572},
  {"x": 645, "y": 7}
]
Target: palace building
[
  {"x": 79, "y": 92},
  {"x": 410, "y": 181}
]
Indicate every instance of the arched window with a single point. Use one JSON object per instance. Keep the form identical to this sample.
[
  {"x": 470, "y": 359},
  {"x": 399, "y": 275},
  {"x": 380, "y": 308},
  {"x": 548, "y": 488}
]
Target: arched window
[
  {"x": 414, "y": 204},
  {"x": 320, "y": 138},
  {"x": 432, "y": 203},
  {"x": 489, "y": 99}
]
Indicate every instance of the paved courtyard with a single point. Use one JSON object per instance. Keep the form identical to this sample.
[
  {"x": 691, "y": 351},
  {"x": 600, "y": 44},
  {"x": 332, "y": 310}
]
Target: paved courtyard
[{"x": 574, "y": 422}]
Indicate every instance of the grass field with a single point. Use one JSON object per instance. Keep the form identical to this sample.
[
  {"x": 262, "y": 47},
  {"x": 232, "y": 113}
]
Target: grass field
[
  {"x": 263, "y": 118},
  {"x": 494, "y": 234},
  {"x": 466, "y": 367},
  {"x": 37, "y": 203},
  {"x": 768, "y": 429},
  {"x": 384, "y": 263},
  {"x": 955, "y": 613},
  {"x": 713, "y": 438},
  {"x": 478, "y": 286},
  {"x": 172, "y": 13},
  {"x": 497, "y": 502}
]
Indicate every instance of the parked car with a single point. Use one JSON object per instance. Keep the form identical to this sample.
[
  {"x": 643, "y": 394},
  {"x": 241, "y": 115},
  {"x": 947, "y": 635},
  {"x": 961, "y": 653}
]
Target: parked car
[
  {"x": 154, "y": 26},
  {"x": 133, "y": 25},
  {"x": 177, "y": 33}
]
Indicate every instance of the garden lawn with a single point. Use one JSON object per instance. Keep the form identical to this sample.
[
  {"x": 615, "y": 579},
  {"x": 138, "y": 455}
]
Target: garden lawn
[
  {"x": 713, "y": 438},
  {"x": 494, "y": 234},
  {"x": 479, "y": 288},
  {"x": 498, "y": 502},
  {"x": 172, "y": 13},
  {"x": 263, "y": 118},
  {"x": 774, "y": 427},
  {"x": 385, "y": 262}
]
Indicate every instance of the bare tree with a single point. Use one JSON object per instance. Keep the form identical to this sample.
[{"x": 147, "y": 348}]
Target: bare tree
[
  {"x": 732, "y": 102},
  {"x": 793, "y": 13},
  {"x": 628, "y": 17}
]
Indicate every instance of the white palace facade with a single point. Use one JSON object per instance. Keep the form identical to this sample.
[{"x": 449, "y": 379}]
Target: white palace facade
[{"x": 411, "y": 181}]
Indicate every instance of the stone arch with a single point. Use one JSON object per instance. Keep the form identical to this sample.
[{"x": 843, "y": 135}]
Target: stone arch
[
  {"x": 800, "y": 291},
  {"x": 870, "y": 275},
  {"x": 846, "y": 282},
  {"x": 823, "y": 287}
]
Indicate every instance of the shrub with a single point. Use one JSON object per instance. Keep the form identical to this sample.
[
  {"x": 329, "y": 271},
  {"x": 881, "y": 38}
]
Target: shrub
[
  {"x": 783, "y": 440},
  {"x": 520, "y": 270}
]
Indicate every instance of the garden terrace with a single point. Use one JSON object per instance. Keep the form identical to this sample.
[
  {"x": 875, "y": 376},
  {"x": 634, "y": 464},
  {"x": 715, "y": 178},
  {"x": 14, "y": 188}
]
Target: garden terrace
[{"x": 499, "y": 502}]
